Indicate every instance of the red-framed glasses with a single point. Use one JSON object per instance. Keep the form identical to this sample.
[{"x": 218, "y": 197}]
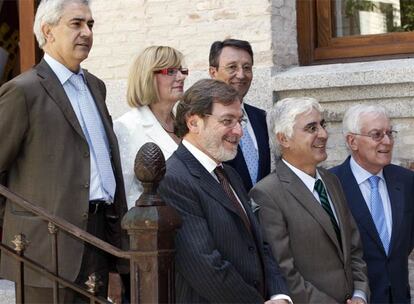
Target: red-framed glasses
[{"x": 172, "y": 71}]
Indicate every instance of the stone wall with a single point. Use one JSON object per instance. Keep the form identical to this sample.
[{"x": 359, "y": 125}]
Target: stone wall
[{"x": 123, "y": 28}]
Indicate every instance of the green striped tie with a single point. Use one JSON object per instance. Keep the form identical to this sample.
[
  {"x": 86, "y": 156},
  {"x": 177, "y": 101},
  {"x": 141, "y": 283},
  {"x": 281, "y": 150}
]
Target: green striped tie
[{"x": 323, "y": 197}]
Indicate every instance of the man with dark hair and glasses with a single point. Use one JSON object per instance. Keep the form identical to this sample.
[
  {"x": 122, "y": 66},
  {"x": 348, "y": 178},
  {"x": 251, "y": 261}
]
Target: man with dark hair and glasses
[
  {"x": 231, "y": 61},
  {"x": 220, "y": 255},
  {"x": 381, "y": 198},
  {"x": 303, "y": 211}
]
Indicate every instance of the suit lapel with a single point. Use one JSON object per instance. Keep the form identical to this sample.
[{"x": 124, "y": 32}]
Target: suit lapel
[
  {"x": 357, "y": 204},
  {"x": 206, "y": 181},
  {"x": 56, "y": 92},
  {"x": 395, "y": 192},
  {"x": 297, "y": 189}
]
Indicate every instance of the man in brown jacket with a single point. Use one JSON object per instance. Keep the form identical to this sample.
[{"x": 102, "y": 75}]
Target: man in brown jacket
[
  {"x": 59, "y": 152},
  {"x": 304, "y": 213}
]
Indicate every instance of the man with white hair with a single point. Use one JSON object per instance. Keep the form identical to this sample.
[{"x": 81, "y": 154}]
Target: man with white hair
[
  {"x": 58, "y": 151},
  {"x": 381, "y": 198},
  {"x": 303, "y": 212}
]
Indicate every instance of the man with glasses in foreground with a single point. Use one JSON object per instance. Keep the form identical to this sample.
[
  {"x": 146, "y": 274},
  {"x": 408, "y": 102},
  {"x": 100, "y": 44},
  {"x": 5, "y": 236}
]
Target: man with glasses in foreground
[
  {"x": 381, "y": 198},
  {"x": 303, "y": 211},
  {"x": 231, "y": 61},
  {"x": 220, "y": 255}
]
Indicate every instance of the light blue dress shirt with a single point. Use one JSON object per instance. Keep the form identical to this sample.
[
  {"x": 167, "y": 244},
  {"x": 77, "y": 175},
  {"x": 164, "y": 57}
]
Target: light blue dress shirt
[{"x": 96, "y": 191}]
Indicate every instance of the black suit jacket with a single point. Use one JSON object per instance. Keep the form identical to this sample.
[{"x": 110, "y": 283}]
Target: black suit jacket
[
  {"x": 45, "y": 158},
  {"x": 388, "y": 275},
  {"x": 257, "y": 118},
  {"x": 217, "y": 259}
]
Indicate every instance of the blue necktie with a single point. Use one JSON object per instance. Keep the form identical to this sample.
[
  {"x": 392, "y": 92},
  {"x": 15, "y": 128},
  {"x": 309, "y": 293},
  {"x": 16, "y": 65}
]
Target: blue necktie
[
  {"x": 377, "y": 212},
  {"x": 250, "y": 155},
  {"x": 95, "y": 134}
]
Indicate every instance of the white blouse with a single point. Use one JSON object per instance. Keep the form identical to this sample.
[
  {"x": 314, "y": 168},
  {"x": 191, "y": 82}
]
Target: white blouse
[{"x": 133, "y": 130}]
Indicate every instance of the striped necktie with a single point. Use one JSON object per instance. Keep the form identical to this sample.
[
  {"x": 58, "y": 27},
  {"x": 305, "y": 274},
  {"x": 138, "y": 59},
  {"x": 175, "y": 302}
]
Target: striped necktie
[
  {"x": 323, "y": 197},
  {"x": 377, "y": 212}
]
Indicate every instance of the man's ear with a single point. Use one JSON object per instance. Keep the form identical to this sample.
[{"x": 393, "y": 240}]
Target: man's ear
[
  {"x": 282, "y": 139},
  {"x": 212, "y": 71},
  {"x": 352, "y": 142},
  {"x": 193, "y": 123},
  {"x": 47, "y": 32}
]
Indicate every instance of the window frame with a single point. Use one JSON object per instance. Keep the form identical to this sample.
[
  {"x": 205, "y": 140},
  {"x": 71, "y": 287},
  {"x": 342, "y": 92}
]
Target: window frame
[{"x": 316, "y": 44}]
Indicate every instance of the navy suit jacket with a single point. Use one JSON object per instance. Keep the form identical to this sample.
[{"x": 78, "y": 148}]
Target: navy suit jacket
[
  {"x": 217, "y": 259},
  {"x": 257, "y": 118},
  {"x": 388, "y": 275}
]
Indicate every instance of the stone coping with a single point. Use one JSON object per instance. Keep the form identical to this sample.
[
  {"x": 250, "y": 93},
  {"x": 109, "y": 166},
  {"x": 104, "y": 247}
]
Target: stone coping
[{"x": 344, "y": 75}]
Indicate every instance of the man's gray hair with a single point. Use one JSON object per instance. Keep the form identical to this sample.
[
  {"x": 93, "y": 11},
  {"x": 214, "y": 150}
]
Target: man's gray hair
[
  {"x": 351, "y": 122},
  {"x": 282, "y": 117},
  {"x": 50, "y": 12}
]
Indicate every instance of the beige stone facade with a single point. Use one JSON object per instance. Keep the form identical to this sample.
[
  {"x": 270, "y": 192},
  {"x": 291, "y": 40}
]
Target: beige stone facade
[{"x": 124, "y": 27}]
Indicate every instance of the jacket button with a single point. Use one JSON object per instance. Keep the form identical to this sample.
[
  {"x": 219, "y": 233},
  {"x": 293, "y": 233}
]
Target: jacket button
[
  {"x": 251, "y": 248},
  {"x": 85, "y": 215},
  {"x": 256, "y": 283},
  {"x": 347, "y": 297},
  {"x": 86, "y": 185},
  {"x": 86, "y": 154}
]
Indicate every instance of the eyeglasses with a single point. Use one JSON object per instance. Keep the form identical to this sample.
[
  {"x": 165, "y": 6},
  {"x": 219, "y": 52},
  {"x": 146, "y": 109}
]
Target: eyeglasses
[
  {"x": 229, "y": 122},
  {"x": 234, "y": 68},
  {"x": 378, "y": 135},
  {"x": 172, "y": 71}
]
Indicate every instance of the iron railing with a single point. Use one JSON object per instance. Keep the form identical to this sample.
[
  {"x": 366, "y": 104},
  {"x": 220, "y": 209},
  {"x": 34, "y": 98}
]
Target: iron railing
[{"x": 151, "y": 226}]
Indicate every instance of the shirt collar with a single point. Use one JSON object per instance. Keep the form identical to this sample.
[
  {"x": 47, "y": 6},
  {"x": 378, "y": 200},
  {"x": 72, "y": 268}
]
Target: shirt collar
[
  {"x": 361, "y": 175},
  {"x": 308, "y": 180},
  {"x": 208, "y": 163},
  {"x": 62, "y": 72}
]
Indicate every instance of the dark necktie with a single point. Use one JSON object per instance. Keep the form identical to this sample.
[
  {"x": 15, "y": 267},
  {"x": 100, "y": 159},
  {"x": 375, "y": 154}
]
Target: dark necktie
[
  {"x": 323, "y": 197},
  {"x": 222, "y": 177}
]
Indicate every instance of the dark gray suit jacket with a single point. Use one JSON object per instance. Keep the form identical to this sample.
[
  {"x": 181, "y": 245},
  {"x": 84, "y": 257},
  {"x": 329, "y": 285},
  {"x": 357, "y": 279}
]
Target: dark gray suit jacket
[
  {"x": 303, "y": 240},
  {"x": 44, "y": 157},
  {"x": 217, "y": 259}
]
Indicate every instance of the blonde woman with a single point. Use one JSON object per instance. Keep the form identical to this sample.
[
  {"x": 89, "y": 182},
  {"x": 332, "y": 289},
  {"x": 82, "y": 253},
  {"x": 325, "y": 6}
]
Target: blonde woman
[{"x": 155, "y": 84}]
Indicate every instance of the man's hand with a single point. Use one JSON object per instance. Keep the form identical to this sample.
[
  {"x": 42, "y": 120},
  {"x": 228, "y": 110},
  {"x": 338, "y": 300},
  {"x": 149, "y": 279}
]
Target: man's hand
[
  {"x": 115, "y": 288},
  {"x": 279, "y": 301},
  {"x": 355, "y": 300}
]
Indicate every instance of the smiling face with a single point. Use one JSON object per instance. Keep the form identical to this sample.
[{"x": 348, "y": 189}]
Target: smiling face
[
  {"x": 70, "y": 41},
  {"x": 306, "y": 148},
  {"x": 211, "y": 135},
  {"x": 170, "y": 87},
  {"x": 370, "y": 154},
  {"x": 235, "y": 69}
]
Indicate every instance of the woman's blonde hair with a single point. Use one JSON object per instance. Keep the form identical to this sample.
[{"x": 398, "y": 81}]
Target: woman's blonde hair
[{"x": 142, "y": 83}]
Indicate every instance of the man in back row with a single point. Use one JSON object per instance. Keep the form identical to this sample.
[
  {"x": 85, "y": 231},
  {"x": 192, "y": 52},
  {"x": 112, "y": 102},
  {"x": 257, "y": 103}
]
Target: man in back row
[
  {"x": 381, "y": 198},
  {"x": 231, "y": 61}
]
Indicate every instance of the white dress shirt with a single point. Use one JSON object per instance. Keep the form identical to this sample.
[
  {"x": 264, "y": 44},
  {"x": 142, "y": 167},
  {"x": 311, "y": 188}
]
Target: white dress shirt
[
  {"x": 96, "y": 191},
  {"x": 361, "y": 175},
  {"x": 209, "y": 164}
]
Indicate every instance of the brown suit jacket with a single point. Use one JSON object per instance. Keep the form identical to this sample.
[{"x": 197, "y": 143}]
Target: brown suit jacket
[
  {"x": 303, "y": 240},
  {"x": 44, "y": 157}
]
